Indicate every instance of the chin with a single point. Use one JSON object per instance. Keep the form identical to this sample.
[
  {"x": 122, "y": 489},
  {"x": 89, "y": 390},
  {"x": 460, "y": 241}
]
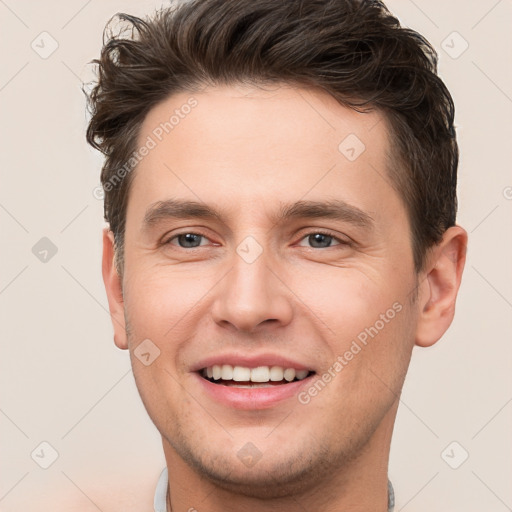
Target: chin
[
  {"x": 278, "y": 474},
  {"x": 266, "y": 480}
]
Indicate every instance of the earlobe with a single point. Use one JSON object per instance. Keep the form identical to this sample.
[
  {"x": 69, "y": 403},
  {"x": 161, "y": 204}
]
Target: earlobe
[
  {"x": 440, "y": 286},
  {"x": 113, "y": 287}
]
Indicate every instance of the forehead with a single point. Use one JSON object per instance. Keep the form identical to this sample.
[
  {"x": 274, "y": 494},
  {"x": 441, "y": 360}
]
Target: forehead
[
  {"x": 281, "y": 115},
  {"x": 244, "y": 145}
]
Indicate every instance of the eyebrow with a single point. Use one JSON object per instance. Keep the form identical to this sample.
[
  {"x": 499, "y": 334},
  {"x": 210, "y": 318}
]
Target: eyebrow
[{"x": 335, "y": 209}]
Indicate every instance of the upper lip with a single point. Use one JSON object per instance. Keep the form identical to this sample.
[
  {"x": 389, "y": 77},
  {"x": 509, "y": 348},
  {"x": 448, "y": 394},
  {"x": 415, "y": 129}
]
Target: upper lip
[{"x": 250, "y": 361}]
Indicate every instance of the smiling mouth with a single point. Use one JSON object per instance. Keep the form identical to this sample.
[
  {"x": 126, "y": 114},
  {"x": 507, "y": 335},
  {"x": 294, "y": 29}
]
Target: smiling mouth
[{"x": 259, "y": 377}]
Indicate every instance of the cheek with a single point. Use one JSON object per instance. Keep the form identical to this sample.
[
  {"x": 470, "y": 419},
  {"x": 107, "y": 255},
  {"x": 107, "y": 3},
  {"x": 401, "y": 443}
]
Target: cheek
[
  {"x": 379, "y": 355},
  {"x": 160, "y": 303},
  {"x": 369, "y": 324},
  {"x": 158, "y": 313},
  {"x": 348, "y": 302}
]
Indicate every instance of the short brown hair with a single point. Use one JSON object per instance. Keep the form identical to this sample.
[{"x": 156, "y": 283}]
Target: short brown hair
[{"x": 355, "y": 50}]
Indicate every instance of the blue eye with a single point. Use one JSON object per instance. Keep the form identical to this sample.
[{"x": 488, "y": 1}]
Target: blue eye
[
  {"x": 187, "y": 240},
  {"x": 318, "y": 239}
]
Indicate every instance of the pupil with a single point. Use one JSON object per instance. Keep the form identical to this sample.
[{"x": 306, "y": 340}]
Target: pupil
[
  {"x": 189, "y": 238},
  {"x": 317, "y": 238}
]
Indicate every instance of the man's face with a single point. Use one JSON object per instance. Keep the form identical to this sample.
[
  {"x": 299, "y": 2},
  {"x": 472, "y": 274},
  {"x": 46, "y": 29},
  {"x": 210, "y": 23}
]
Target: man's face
[{"x": 255, "y": 288}]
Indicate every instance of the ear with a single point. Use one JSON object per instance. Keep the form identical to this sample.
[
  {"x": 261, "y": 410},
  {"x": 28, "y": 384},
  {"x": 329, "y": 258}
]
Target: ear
[
  {"x": 113, "y": 287},
  {"x": 439, "y": 286}
]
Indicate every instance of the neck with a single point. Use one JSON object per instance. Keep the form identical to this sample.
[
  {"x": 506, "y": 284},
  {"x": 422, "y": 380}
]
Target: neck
[{"x": 360, "y": 485}]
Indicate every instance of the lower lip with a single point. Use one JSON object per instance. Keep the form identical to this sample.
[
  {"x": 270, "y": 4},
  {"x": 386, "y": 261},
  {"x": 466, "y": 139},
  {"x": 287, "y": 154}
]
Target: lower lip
[{"x": 252, "y": 398}]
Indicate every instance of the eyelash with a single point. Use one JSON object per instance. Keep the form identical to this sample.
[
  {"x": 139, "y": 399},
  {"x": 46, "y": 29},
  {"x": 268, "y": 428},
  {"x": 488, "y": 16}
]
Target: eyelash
[{"x": 319, "y": 232}]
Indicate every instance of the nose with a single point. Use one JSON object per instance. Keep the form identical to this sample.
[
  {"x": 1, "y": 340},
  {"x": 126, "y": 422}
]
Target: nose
[{"x": 251, "y": 295}]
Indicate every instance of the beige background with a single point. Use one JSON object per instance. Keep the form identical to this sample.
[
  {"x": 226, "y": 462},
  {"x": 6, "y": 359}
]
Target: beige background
[{"x": 63, "y": 380}]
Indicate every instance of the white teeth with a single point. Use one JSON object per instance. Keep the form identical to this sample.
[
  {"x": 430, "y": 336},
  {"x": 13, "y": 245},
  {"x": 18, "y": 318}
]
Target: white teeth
[
  {"x": 216, "y": 372},
  {"x": 276, "y": 373},
  {"x": 260, "y": 374},
  {"x": 227, "y": 372},
  {"x": 241, "y": 374},
  {"x": 289, "y": 374},
  {"x": 301, "y": 374}
]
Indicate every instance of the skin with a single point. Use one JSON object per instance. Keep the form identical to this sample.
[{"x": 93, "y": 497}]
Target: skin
[{"x": 244, "y": 151}]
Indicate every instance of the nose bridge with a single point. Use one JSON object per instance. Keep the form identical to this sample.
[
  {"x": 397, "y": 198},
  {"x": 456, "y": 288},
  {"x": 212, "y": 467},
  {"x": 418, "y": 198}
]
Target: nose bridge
[{"x": 252, "y": 293}]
